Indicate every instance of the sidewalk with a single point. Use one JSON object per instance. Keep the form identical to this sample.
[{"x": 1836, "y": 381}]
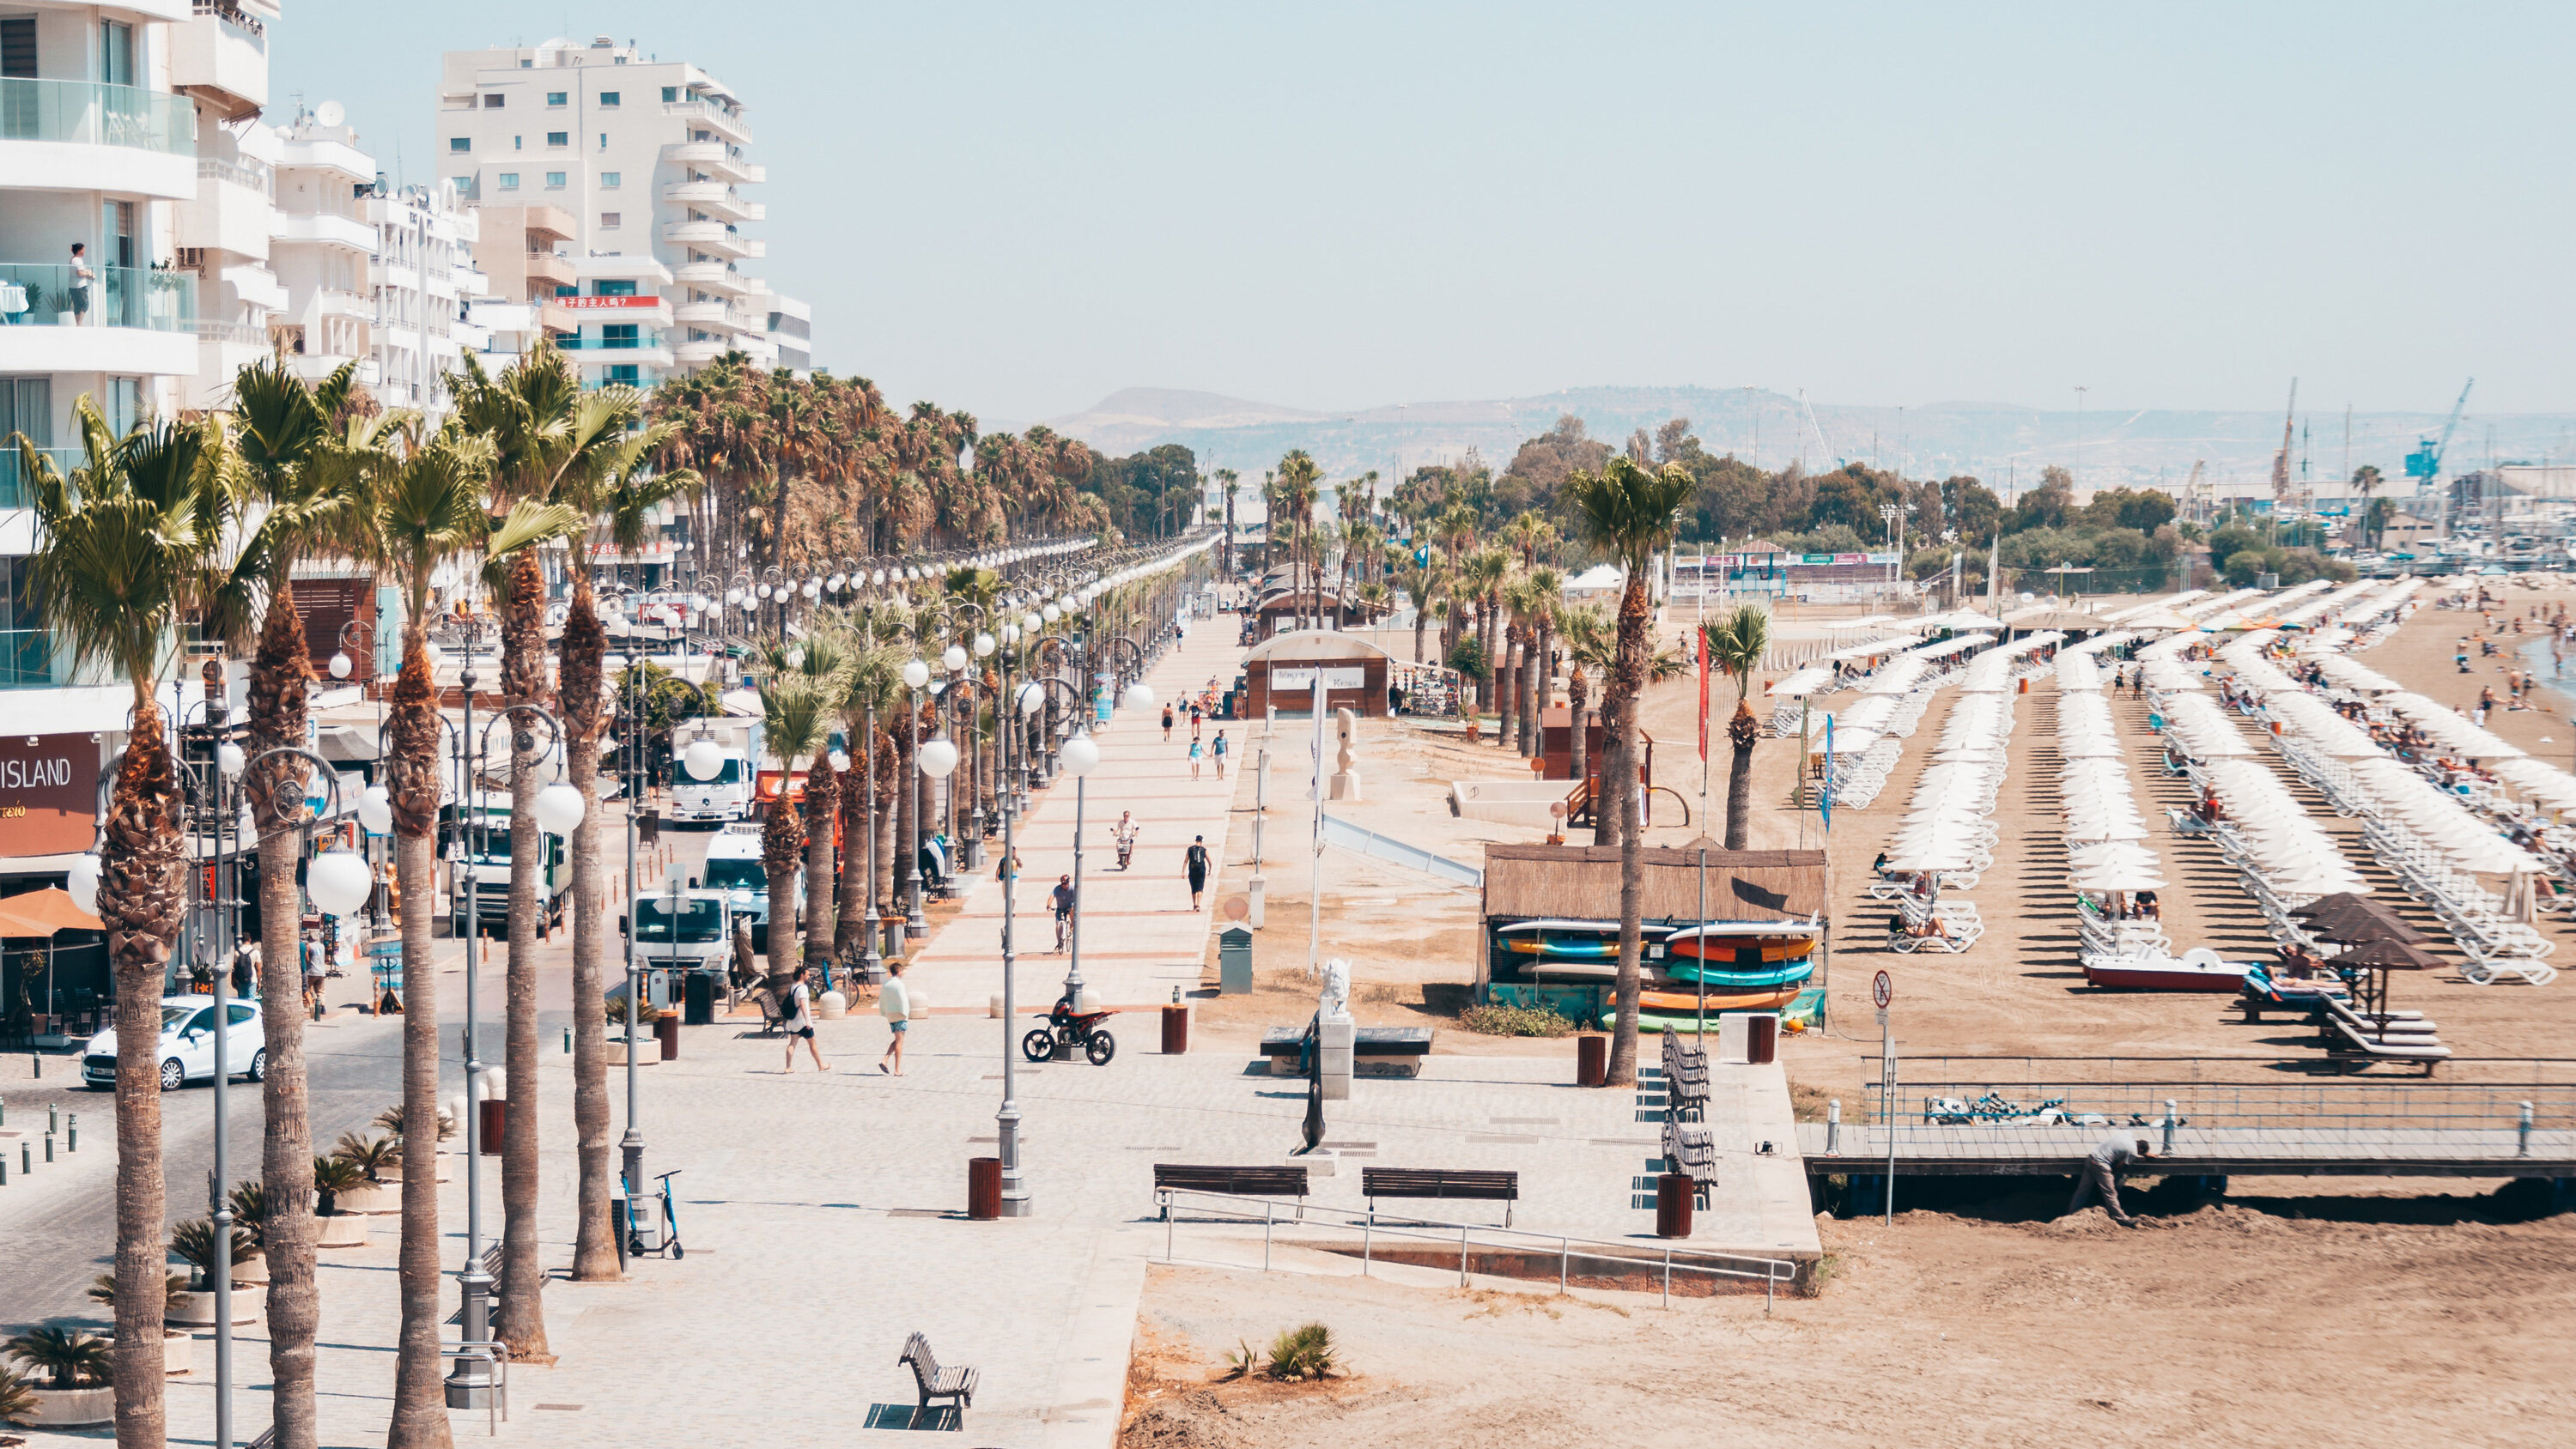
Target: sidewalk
[{"x": 1139, "y": 937}]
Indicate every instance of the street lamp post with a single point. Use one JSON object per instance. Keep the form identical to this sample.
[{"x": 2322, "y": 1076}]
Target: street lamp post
[
  {"x": 211, "y": 779},
  {"x": 916, "y": 676}
]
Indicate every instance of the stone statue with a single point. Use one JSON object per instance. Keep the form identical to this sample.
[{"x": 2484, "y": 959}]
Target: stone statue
[
  {"x": 1346, "y": 778},
  {"x": 1333, "y": 1002}
]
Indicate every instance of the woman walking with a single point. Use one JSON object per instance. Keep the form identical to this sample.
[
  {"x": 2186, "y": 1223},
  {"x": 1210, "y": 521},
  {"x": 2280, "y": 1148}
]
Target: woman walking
[
  {"x": 1194, "y": 759},
  {"x": 796, "y": 1022},
  {"x": 1167, "y": 724},
  {"x": 894, "y": 1003}
]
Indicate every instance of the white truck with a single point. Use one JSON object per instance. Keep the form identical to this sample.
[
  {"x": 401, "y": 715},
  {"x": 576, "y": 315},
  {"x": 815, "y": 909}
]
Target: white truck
[
  {"x": 734, "y": 867},
  {"x": 726, "y": 794},
  {"x": 692, "y": 931},
  {"x": 474, "y": 840}
]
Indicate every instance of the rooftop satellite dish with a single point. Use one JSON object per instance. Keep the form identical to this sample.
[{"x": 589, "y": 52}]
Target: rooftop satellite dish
[{"x": 330, "y": 113}]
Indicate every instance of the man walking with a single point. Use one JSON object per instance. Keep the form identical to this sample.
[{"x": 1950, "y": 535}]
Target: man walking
[
  {"x": 2102, "y": 1175},
  {"x": 1218, "y": 750},
  {"x": 1196, "y": 859}
]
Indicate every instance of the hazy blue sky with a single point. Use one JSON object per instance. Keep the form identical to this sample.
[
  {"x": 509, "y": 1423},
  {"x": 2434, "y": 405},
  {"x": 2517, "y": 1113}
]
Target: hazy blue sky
[{"x": 1017, "y": 209}]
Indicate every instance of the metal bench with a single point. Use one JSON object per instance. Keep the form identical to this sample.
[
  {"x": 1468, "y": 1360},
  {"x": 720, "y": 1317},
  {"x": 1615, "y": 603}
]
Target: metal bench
[
  {"x": 935, "y": 1382},
  {"x": 1685, "y": 1075},
  {"x": 1446, "y": 1183},
  {"x": 1261, "y": 1181}
]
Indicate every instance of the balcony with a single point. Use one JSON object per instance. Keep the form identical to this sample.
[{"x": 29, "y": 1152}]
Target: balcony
[
  {"x": 548, "y": 224},
  {"x": 717, "y": 277},
  {"x": 128, "y": 319},
  {"x": 324, "y": 229},
  {"x": 318, "y": 366},
  {"x": 707, "y": 236},
  {"x": 221, "y": 58},
  {"x": 714, "y": 198},
  {"x": 703, "y": 314},
  {"x": 642, "y": 339},
  {"x": 729, "y": 125},
  {"x": 230, "y": 213},
  {"x": 331, "y": 302},
  {"x": 64, "y": 135},
  {"x": 697, "y": 352},
  {"x": 648, "y": 310},
  {"x": 547, "y": 269},
  {"x": 716, "y": 159}
]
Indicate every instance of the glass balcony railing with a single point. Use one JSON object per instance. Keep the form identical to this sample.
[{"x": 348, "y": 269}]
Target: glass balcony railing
[
  {"x": 97, "y": 114},
  {"x": 26, "y": 659},
  {"x": 13, "y": 473},
  {"x": 609, "y": 344},
  {"x": 46, "y": 294}
]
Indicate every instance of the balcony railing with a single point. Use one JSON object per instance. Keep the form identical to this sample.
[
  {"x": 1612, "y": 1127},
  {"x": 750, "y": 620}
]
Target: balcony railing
[
  {"x": 26, "y": 659},
  {"x": 46, "y": 294},
  {"x": 97, "y": 114},
  {"x": 609, "y": 344},
  {"x": 231, "y": 11},
  {"x": 13, "y": 476},
  {"x": 210, "y": 330},
  {"x": 245, "y": 172}
]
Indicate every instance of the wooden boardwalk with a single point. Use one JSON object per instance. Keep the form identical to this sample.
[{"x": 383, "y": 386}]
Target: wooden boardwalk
[{"x": 1925, "y": 1148}]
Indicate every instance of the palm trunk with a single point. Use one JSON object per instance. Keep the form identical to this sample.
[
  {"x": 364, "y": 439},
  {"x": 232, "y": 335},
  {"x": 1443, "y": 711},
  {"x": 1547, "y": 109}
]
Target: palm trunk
[
  {"x": 1578, "y": 709},
  {"x": 1741, "y": 731},
  {"x": 1607, "y": 823},
  {"x": 279, "y": 674},
  {"x": 139, "y": 901},
  {"x": 1629, "y": 685},
  {"x": 1534, "y": 697},
  {"x": 420, "y": 1402},
  {"x": 782, "y": 856},
  {"x": 1421, "y": 621},
  {"x": 594, "y": 1252},
  {"x": 849, "y": 932},
  {"x": 822, "y": 803},
  {"x": 907, "y": 814},
  {"x": 522, "y": 1322}
]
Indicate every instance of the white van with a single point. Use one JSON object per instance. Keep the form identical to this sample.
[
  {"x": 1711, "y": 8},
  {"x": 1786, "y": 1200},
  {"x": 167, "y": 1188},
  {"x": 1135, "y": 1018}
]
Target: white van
[
  {"x": 734, "y": 868},
  {"x": 474, "y": 839},
  {"x": 697, "y": 936},
  {"x": 727, "y": 794}
]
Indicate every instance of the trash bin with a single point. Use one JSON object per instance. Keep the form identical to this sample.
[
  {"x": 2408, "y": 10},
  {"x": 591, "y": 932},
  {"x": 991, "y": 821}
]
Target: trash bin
[
  {"x": 666, "y": 1029},
  {"x": 1762, "y": 1038},
  {"x": 492, "y": 1120},
  {"x": 1176, "y": 1030},
  {"x": 983, "y": 1188},
  {"x": 1234, "y": 961},
  {"x": 698, "y": 998},
  {"x": 1673, "y": 1205},
  {"x": 1592, "y": 1060}
]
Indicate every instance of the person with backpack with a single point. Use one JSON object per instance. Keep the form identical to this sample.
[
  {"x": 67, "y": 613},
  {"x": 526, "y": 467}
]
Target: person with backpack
[
  {"x": 1195, "y": 860},
  {"x": 796, "y": 1022}
]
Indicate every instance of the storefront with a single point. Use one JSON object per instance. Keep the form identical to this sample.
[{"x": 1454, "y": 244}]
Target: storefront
[{"x": 48, "y": 815}]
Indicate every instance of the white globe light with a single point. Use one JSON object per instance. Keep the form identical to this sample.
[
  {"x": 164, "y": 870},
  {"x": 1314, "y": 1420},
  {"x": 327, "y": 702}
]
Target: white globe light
[
  {"x": 229, "y": 759},
  {"x": 733, "y": 596},
  {"x": 748, "y": 603},
  {"x": 840, "y": 759},
  {"x": 1051, "y": 613},
  {"x": 838, "y": 583},
  {"x": 703, "y": 759},
  {"x": 1031, "y": 623},
  {"x": 938, "y": 757},
  {"x": 881, "y": 577},
  {"x": 916, "y": 674},
  {"x": 376, "y": 811},
  {"x": 954, "y": 658},
  {"x": 559, "y": 807},
  {"x": 338, "y": 882},
  {"x": 1079, "y": 755},
  {"x": 813, "y": 588},
  {"x": 1031, "y": 697},
  {"x": 699, "y": 602},
  {"x": 1010, "y": 633},
  {"x": 1140, "y": 696},
  {"x": 983, "y": 646},
  {"x": 82, "y": 882},
  {"x": 764, "y": 591},
  {"x": 340, "y": 665}
]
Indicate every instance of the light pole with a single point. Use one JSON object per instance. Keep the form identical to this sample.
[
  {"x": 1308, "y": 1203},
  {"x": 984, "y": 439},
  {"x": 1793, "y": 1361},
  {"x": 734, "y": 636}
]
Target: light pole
[
  {"x": 210, "y": 780},
  {"x": 1081, "y": 755},
  {"x": 916, "y": 677},
  {"x": 1887, "y": 513}
]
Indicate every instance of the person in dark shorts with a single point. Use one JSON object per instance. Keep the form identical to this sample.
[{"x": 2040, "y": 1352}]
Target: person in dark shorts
[
  {"x": 1196, "y": 859},
  {"x": 796, "y": 1017}
]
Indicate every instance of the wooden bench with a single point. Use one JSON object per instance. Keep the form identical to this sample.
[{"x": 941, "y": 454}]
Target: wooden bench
[
  {"x": 1396, "y": 1049},
  {"x": 935, "y": 1382},
  {"x": 1445, "y": 1183},
  {"x": 1286, "y": 1180}
]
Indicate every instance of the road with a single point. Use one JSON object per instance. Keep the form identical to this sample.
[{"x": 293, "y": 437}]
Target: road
[{"x": 353, "y": 1072}]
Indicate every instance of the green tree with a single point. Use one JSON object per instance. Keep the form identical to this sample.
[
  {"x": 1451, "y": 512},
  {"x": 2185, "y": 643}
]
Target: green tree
[{"x": 1737, "y": 644}]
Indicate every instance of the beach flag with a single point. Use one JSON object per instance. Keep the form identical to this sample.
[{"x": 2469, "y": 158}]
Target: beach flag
[{"x": 1702, "y": 636}]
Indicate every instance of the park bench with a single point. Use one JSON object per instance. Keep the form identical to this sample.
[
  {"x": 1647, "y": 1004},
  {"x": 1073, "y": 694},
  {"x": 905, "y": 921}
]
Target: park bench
[
  {"x": 1444, "y": 1183},
  {"x": 773, "y": 1019},
  {"x": 935, "y": 1382},
  {"x": 1690, "y": 1151},
  {"x": 1260, "y": 1181},
  {"x": 1685, "y": 1075},
  {"x": 1396, "y": 1049}
]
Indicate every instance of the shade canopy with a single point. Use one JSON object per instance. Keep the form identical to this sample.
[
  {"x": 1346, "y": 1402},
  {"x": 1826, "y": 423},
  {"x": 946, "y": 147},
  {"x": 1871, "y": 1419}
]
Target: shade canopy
[
  {"x": 43, "y": 913},
  {"x": 2389, "y": 956}
]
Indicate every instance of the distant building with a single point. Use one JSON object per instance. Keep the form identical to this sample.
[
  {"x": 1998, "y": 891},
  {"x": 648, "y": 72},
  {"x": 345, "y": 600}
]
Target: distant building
[{"x": 791, "y": 331}]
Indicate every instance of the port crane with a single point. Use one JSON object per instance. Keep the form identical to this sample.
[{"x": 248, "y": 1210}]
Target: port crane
[{"x": 2424, "y": 465}]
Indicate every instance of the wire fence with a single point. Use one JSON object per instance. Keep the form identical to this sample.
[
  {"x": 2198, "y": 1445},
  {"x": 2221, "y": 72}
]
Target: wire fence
[{"x": 2351, "y": 1107}]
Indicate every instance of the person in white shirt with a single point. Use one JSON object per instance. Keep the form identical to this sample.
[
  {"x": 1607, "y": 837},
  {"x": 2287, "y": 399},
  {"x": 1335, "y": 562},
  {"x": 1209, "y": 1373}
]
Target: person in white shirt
[
  {"x": 894, "y": 1003},
  {"x": 796, "y": 1017}
]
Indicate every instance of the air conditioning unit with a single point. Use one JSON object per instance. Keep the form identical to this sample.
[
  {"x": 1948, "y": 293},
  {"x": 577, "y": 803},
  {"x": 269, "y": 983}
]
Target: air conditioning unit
[{"x": 192, "y": 259}]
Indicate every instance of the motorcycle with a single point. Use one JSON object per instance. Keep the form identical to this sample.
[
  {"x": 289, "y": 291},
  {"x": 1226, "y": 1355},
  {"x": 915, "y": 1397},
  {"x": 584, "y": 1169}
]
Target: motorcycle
[
  {"x": 1126, "y": 849},
  {"x": 1066, "y": 1029}
]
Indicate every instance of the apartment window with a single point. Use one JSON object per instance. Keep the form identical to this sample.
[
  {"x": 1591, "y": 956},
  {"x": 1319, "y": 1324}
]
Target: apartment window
[
  {"x": 554, "y": 98},
  {"x": 554, "y": 181},
  {"x": 608, "y": 100},
  {"x": 509, "y": 181},
  {"x": 614, "y": 287},
  {"x": 618, "y": 334},
  {"x": 670, "y": 94},
  {"x": 603, "y": 140},
  {"x": 608, "y": 179},
  {"x": 116, "y": 56},
  {"x": 516, "y": 142},
  {"x": 558, "y": 138},
  {"x": 460, "y": 144},
  {"x": 493, "y": 103},
  {"x": 611, "y": 220},
  {"x": 626, "y": 372}
]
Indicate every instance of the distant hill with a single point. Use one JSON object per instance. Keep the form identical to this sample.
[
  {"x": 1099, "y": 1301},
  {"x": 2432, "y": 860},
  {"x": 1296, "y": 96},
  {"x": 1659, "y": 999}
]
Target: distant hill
[{"x": 2001, "y": 443}]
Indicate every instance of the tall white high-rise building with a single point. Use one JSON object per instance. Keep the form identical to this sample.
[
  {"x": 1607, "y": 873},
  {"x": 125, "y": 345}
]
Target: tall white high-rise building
[{"x": 590, "y": 152}]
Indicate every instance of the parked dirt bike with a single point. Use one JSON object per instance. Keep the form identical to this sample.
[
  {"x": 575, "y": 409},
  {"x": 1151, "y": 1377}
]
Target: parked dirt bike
[{"x": 1067, "y": 1029}]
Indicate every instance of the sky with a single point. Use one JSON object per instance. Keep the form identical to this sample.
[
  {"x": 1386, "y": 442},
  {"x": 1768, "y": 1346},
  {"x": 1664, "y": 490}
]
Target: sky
[{"x": 1019, "y": 209}]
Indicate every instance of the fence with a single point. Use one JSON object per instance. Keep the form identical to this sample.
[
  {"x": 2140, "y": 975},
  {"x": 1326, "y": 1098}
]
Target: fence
[
  {"x": 1936, "y": 1090},
  {"x": 1631, "y": 1258}
]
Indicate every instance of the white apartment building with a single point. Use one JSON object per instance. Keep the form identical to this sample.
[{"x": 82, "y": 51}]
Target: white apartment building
[
  {"x": 576, "y": 153},
  {"x": 791, "y": 331},
  {"x": 425, "y": 287}
]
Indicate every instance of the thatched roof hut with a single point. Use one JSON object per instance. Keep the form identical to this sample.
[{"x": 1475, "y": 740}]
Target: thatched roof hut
[{"x": 1581, "y": 882}]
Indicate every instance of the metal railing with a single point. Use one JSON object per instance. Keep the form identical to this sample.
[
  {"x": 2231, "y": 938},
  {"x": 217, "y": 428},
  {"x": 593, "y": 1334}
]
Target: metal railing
[
  {"x": 51, "y": 294},
  {"x": 98, "y": 114},
  {"x": 1631, "y": 1258},
  {"x": 255, "y": 175}
]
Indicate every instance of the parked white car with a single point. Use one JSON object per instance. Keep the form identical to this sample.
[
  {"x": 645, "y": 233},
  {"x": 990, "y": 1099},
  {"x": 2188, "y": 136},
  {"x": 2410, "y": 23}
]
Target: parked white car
[{"x": 187, "y": 1045}]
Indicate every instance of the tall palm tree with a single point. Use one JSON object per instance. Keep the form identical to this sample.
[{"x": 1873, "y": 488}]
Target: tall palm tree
[
  {"x": 1232, "y": 483},
  {"x": 794, "y": 716},
  {"x": 1627, "y": 512},
  {"x": 118, "y": 558},
  {"x": 1547, "y": 602},
  {"x": 1480, "y": 583},
  {"x": 619, "y": 492},
  {"x": 1300, "y": 482},
  {"x": 823, "y": 659},
  {"x": 1512, "y": 694},
  {"x": 304, "y": 454},
  {"x": 1591, "y": 647},
  {"x": 1737, "y": 644},
  {"x": 871, "y": 687},
  {"x": 1422, "y": 583}
]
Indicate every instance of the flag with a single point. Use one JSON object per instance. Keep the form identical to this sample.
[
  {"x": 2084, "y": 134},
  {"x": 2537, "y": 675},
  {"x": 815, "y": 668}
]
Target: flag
[
  {"x": 1702, "y": 636},
  {"x": 1825, "y": 792}
]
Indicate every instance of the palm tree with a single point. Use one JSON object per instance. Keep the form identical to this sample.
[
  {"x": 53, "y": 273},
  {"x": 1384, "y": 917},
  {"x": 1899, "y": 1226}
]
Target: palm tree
[
  {"x": 871, "y": 685},
  {"x": 1513, "y": 696},
  {"x": 2365, "y": 481},
  {"x": 615, "y": 488},
  {"x": 303, "y": 461},
  {"x": 120, "y": 544},
  {"x": 1737, "y": 644},
  {"x": 1232, "y": 483},
  {"x": 1547, "y": 602},
  {"x": 1627, "y": 512},
  {"x": 794, "y": 715},
  {"x": 1591, "y": 646},
  {"x": 823, "y": 661},
  {"x": 1299, "y": 483},
  {"x": 1480, "y": 582}
]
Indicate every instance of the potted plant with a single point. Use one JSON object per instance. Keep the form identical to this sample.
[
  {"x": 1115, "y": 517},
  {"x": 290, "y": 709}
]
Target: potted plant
[
  {"x": 178, "y": 1345},
  {"x": 70, "y": 1386},
  {"x": 371, "y": 1156},
  {"x": 193, "y": 1243},
  {"x": 334, "y": 1224},
  {"x": 648, "y": 1047},
  {"x": 390, "y": 1121},
  {"x": 249, "y": 1202},
  {"x": 17, "y": 1397}
]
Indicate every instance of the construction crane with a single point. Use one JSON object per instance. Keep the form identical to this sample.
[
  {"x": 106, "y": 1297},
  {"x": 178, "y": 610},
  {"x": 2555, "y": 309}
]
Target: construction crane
[
  {"x": 2281, "y": 459},
  {"x": 2424, "y": 465}
]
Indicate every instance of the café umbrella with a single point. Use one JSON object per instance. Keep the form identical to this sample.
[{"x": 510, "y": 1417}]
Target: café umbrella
[{"x": 2379, "y": 957}]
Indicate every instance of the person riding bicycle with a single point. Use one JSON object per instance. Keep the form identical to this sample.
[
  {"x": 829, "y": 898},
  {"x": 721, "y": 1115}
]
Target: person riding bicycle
[{"x": 1062, "y": 899}]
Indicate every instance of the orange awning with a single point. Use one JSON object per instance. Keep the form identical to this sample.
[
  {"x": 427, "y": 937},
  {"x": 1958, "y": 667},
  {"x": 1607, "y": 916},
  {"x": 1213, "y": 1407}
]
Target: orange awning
[{"x": 43, "y": 913}]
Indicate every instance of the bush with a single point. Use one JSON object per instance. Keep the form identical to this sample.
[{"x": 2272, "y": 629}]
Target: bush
[
  {"x": 1468, "y": 658},
  {"x": 103, "y": 1288},
  {"x": 1303, "y": 1353},
  {"x": 616, "y": 1011},
  {"x": 72, "y": 1358},
  {"x": 1514, "y": 1021},
  {"x": 390, "y": 1121},
  {"x": 17, "y": 1396},
  {"x": 193, "y": 1243},
  {"x": 370, "y": 1155}
]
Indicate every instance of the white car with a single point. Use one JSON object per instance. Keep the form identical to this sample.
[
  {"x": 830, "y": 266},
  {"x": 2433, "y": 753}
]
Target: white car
[{"x": 187, "y": 1045}]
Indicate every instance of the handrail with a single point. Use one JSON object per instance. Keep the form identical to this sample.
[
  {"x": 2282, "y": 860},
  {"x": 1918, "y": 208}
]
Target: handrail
[{"x": 1772, "y": 1271}]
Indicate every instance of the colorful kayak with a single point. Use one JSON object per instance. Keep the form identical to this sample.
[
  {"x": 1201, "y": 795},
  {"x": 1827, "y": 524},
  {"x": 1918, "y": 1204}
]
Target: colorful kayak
[
  {"x": 1727, "y": 978},
  {"x": 1569, "y": 940},
  {"x": 1688, "y": 1002},
  {"x": 1735, "y": 940}
]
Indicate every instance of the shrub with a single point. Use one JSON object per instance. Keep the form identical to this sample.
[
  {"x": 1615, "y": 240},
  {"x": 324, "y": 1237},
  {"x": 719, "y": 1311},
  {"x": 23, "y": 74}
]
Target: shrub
[
  {"x": 1304, "y": 1352},
  {"x": 371, "y": 1155},
  {"x": 250, "y": 1211},
  {"x": 390, "y": 1122},
  {"x": 333, "y": 1176},
  {"x": 616, "y": 1010},
  {"x": 1514, "y": 1021},
  {"x": 1468, "y": 658},
  {"x": 193, "y": 1243},
  {"x": 73, "y": 1359},
  {"x": 17, "y": 1396},
  {"x": 103, "y": 1288}
]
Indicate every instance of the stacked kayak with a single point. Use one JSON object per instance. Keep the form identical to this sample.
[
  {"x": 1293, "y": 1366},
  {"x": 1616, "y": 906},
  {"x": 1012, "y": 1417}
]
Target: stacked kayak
[
  {"x": 1557, "y": 950},
  {"x": 1742, "y": 966}
]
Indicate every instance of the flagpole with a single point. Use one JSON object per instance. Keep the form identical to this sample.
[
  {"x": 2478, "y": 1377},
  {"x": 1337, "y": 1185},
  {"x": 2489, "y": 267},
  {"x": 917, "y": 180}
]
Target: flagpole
[{"x": 1701, "y": 1029}]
